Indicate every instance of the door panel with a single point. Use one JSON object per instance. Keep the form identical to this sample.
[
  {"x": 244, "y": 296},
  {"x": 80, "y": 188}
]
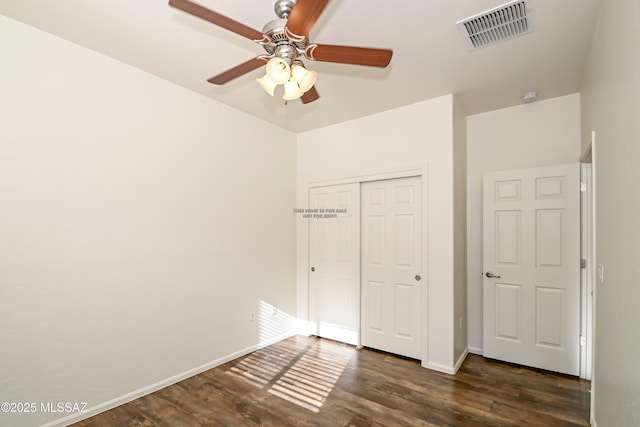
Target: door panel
[
  {"x": 391, "y": 259},
  {"x": 508, "y": 239},
  {"x": 403, "y": 317},
  {"x": 550, "y": 315},
  {"x": 549, "y": 238},
  {"x": 531, "y": 241},
  {"x": 507, "y": 311},
  {"x": 374, "y": 306},
  {"x": 334, "y": 283}
]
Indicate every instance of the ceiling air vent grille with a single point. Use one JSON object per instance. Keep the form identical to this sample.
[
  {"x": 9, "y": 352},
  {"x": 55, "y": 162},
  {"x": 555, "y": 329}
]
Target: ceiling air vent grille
[{"x": 501, "y": 23}]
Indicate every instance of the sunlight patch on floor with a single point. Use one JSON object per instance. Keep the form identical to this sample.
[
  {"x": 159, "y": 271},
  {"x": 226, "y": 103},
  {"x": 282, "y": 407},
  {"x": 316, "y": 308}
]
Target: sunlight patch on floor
[{"x": 304, "y": 377}]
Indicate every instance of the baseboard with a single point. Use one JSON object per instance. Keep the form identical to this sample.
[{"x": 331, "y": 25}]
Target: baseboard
[
  {"x": 475, "y": 350},
  {"x": 452, "y": 370},
  {"x": 120, "y": 400},
  {"x": 440, "y": 368},
  {"x": 593, "y": 423},
  {"x": 460, "y": 360}
]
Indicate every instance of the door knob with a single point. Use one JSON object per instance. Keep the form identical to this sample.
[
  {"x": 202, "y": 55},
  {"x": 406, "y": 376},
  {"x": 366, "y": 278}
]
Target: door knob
[
  {"x": 418, "y": 278},
  {"x": 313, "y": 269},
  {"x": 490, "y": 275}
]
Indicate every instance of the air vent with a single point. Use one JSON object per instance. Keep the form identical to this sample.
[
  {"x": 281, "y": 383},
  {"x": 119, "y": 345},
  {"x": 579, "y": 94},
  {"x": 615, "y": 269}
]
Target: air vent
[{"x": 500, "y": 23}]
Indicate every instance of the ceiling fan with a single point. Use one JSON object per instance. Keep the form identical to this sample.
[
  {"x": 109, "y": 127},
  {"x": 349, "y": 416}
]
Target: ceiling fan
[{"x": 285, "y": 40}]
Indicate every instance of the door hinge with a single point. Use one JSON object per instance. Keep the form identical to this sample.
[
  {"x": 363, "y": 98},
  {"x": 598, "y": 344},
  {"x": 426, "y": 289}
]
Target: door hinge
[
  {"x": 583, "y": 263},
  {"x": 583, "y": 186},
  {"x": 583, "y": 341}
]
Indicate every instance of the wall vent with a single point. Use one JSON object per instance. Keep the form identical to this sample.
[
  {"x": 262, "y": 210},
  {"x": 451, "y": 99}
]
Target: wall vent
[{"x": 501, "y": 23}]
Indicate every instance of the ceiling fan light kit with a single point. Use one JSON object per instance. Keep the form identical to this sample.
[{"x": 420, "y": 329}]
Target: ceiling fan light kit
[
  {"x": 292, "y": 91},
  {"x": 305, "y": 78},
  {"x": 278, "y": 70},
  {"x": 267, "y": 84},
  {"x": 284, "y": 40},
  {"x": 282, "y": 70}
]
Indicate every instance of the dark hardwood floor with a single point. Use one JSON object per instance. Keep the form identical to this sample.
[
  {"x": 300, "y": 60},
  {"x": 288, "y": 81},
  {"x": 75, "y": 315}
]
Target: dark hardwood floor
[{"x": 307, "y": 381}]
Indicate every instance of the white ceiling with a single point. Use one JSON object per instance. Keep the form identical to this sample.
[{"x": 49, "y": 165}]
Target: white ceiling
[{"x": 430, "y": 58}]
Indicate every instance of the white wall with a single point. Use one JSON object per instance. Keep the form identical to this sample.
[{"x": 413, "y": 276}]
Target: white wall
[
  {"x": 140, "y": 225},
  {"x": 610, "y": 107},
  {"x": 538, "y": 134},
  {"x": 418, "y": 136}
]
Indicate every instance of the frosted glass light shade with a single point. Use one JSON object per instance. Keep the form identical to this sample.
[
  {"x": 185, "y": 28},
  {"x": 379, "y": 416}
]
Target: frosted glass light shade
[
  {"x": 305, "y": 78},
  {"x": 278, "y": 70},
  {"x": 292, "y": 90},
  {"x": 267, "y": 84}
]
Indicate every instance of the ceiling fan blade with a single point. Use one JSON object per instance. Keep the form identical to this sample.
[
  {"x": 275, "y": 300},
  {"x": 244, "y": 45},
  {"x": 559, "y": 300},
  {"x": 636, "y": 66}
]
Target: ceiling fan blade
[
  {"x": 237, "y": 71},
  {"x": 216, "y": 18},
  {"x": 304, "y": 15},
  {"x": 310, "y": 96},
  {"x": 349, "y": 55}
]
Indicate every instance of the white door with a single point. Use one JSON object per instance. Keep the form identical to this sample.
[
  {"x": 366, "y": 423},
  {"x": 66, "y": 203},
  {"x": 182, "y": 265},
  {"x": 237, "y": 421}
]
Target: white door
[
  {"x": 334, "y": 260},
  {"x": 391, "y": 266},
  {"x": 531, "y": 261}
]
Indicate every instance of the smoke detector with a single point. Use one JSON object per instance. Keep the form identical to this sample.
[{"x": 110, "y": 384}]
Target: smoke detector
[
  {"x": 530, "y": 96},
  {"x": 504, "y": 22}
]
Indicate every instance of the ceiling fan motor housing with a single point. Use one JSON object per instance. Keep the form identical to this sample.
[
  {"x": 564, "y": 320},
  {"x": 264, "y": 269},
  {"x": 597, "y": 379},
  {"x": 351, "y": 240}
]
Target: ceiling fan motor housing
[{"x": 276, "y": 40}]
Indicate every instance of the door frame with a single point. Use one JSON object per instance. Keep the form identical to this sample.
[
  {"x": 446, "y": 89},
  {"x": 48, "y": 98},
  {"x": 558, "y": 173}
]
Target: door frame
[
  {"x": 304, "y": 256},
  {"x": 587, "y": 250}
]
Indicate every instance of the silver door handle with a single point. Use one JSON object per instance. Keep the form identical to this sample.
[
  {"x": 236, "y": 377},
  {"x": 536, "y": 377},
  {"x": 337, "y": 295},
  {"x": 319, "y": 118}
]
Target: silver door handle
[{"x": 491, "y": 275}]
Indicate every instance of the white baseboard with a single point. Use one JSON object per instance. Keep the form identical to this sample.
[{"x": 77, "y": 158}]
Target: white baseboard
[
  {"x": 475, "y": 350},
  {"x": 460, "y": 360},
  {"x": 593, "y": 423},
  {"x": 445, "y": 368},
  {"x": 128, "y": 397},
  {"x": 440, "y": 368},
  {"x": 306, "y": 328}
]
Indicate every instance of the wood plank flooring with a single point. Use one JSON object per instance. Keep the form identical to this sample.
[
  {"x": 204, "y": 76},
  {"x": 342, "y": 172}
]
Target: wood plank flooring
[{"x": 307, "y": 381}]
